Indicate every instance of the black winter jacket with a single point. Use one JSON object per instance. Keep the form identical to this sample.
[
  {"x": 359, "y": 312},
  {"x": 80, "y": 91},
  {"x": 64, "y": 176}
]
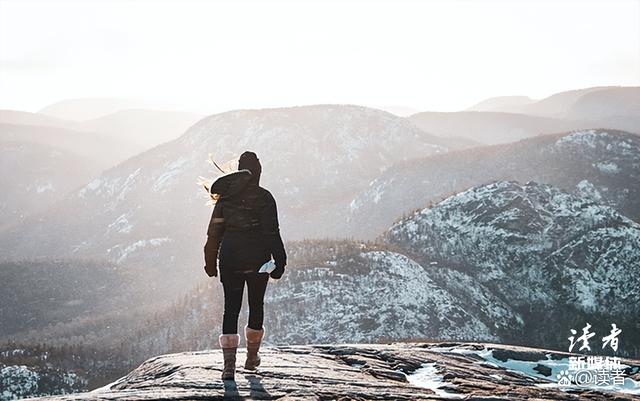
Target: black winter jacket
[{"x": 244, "y": 250}]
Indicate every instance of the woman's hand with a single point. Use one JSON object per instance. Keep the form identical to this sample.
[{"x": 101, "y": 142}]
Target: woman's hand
[
  {"x": 277, "y": 272},
  {"x": 212, "y": 270}
]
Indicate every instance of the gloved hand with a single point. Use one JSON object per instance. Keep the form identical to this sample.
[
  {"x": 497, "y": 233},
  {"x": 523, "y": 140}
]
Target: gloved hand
[
  {"x": 277, "y": 272},
  {"x": 211, "y": 270}
]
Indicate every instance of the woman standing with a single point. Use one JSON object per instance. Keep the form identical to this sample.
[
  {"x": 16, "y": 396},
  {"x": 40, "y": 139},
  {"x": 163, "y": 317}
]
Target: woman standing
[{"x": 243, "y": 234}]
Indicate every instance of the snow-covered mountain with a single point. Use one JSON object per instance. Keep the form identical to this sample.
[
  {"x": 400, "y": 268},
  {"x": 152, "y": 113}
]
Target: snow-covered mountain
[
  {"x": 536, "y": 247},
  {"x": 519, "y": 238},
  {"x": 148, "y": 211},
  {"x": 602, "y": 165},
  {"x": 370, "y": 295},
  {"x": 484, "y": 264}
]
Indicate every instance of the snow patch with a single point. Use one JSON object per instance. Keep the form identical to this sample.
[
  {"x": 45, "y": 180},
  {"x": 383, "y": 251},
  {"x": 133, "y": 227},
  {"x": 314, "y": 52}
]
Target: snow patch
[
  {"x": 44, "y": 187},
  {"x": 428, "y": 377},
  {"x": 588, "y": 190},
  {"x": 92, "y": 187},
  {"x": 128, "y": 184},
  {"x": 607, "y": 167},
  {"x": 172, "y": 170},
  {"x": 583, "y": 138},
  {"x": 121, "y": 224},
  {"x": 137, "y": 246}
]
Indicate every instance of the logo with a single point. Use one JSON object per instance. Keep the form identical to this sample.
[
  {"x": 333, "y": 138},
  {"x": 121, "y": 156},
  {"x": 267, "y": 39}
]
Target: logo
[{"x": 593, "y": 370}]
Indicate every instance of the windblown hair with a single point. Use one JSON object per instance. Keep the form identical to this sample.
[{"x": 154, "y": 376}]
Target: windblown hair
[{"x": 207, "y": 182}]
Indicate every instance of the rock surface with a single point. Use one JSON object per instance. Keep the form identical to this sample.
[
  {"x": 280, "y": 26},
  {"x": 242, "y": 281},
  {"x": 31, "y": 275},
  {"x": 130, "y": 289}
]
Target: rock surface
[{"x": 398, "y": 371}]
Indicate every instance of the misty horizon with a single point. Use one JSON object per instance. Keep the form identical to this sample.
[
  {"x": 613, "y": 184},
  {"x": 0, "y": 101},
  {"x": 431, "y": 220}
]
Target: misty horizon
[
  {"x": 444, "y": 56},
  {"x": 107, "y": 106}
]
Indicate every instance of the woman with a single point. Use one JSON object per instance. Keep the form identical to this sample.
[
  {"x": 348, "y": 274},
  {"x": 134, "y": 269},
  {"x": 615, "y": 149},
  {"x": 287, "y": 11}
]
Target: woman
[{"x": 244, "y": 231}]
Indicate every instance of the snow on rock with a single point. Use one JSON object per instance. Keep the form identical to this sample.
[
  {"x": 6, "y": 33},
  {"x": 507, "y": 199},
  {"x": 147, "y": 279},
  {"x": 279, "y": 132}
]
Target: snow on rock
[
  {"x": 128, "y": 184},
  {"x": 124, "y": 252},
  {"x": 598, "y": 139},
  {"x": 121, "y": 224},
  {"x": 429, "y": 377},
  {"x": 607, "y": 167},
  {"x": 90, "y": 187},
  {"x": 114, "y": 188},
  {"x": 587, "y": 190},
  {"x": 48, "y": 186},
  {"x": 171, "y": 171},
  {"x": 588, "y": 138}
]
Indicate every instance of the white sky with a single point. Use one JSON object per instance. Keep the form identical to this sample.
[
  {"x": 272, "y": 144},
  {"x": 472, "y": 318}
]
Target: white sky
[{"x": 215, "y": 56}]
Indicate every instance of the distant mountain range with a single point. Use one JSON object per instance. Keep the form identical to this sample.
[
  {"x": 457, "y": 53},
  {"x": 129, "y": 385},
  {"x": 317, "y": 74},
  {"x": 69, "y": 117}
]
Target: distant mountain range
[
  {"x": 568, "y": 104},
  {"x": 100, "y": 133},
  {"x": 51, "y": 157},
  {"x": 602, "y": 165},
  {"x": 511, "y": 118},
  {"x": 492, "y": 127},
  {"x": 325, "y": 155},
  {"x": 602, "y": 107},
  {"x": 84, "y": 109},
  {"x": 110, "y": 138},
  {"x": 339, "y": 171}
]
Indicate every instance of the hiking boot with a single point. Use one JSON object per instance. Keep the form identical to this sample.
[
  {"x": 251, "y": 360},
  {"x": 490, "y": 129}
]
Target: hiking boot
[
  {"x": 229, "y": 345},
  {"x": 253, "y": 339}
]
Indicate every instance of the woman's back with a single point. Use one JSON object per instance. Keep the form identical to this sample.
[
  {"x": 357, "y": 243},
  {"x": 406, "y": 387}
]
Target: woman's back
[{"x": 245, "y": 246}]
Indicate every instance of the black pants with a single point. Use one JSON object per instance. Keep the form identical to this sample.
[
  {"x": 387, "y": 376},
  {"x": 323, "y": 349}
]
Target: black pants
[{"x": 233, "y": 286}]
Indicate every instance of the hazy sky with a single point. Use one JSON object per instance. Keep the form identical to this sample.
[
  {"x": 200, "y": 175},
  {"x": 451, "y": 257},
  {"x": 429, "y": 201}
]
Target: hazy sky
[{"x": 215, "y": 56}]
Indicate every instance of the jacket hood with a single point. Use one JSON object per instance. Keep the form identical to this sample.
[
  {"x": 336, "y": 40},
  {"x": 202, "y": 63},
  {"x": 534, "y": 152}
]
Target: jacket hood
[{"x": 232, "y": 184}]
